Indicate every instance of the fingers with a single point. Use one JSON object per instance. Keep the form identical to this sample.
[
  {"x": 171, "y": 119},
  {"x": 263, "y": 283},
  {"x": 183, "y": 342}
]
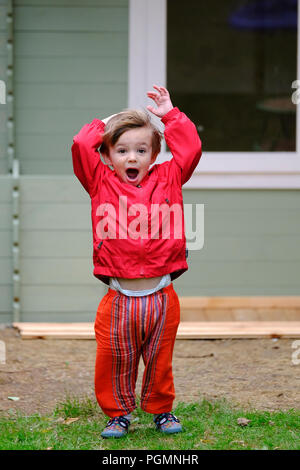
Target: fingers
[
  {"x": 154, "y": 97},
  {"x": 162, "y": 90},
  {"x": 161, "y": 98}
]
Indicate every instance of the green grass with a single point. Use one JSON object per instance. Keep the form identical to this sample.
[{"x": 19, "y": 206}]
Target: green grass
[{"x": 206, "y": 425}]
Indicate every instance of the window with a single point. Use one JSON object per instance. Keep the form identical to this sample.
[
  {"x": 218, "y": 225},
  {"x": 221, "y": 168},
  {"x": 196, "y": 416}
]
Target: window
[{"x": 230, "y": 66}]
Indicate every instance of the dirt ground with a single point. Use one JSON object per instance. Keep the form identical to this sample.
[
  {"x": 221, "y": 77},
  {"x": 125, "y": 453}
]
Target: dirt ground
[{"x": 247, "y": 372}]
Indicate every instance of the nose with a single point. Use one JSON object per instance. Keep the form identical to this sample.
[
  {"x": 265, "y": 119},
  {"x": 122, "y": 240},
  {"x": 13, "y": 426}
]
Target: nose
[{"x": 132, "y": 157}]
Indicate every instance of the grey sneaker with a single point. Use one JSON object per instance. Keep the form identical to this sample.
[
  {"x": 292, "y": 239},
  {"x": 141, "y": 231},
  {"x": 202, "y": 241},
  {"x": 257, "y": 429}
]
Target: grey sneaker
[
  {"x": 167, "y": 423},
  {"x": 116, "y": 427}
]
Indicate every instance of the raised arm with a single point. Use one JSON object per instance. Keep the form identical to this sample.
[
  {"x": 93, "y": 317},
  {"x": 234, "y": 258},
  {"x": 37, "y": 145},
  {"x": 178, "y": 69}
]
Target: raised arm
[
  {"x": 183, "y": 141},
  {"x": 86, "y": 158},
  {"x": 180, "y": 133}
]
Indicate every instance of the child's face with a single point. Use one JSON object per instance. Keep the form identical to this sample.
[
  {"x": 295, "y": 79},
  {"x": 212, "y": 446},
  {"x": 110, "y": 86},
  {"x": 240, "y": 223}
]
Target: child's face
[{"x": 132, "y": 155}]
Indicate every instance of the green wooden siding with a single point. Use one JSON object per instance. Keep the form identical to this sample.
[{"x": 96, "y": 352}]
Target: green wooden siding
[
  {"x": 5, "y": 250},
  {"x": 5, "y": 190},
  {"x": 251, "y": 244},
  {"x": 251, "y": 247},
  {"x": 57, "y": 281},
  {"x": 3, "y": 141},
  {"x": 70, "y": 66}
]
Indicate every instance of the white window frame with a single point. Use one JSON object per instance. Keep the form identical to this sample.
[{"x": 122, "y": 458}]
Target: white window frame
[{"x": 147, "y": 66}]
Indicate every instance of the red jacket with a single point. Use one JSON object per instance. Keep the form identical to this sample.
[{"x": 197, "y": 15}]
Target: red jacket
[{"x": 125, "y": 256}]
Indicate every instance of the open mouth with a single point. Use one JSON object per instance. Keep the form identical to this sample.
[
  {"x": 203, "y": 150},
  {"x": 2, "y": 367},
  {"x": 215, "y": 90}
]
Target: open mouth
[{"x": 132, "y": 173}]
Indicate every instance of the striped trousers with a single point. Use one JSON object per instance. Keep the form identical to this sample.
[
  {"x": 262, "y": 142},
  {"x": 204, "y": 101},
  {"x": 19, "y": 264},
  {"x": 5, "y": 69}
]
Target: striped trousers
[{"x": 126, "y": 328}]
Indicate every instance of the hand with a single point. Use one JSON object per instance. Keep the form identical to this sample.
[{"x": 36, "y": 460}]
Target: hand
[{"x": 161, "y": 99}]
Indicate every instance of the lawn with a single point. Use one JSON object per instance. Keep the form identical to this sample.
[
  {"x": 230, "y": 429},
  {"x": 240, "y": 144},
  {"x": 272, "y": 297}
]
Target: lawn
[{"x": 77, "y": 423}]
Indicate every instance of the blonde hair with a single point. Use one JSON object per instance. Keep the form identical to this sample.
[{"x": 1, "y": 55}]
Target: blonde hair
[{"x": 126, "y": 120}]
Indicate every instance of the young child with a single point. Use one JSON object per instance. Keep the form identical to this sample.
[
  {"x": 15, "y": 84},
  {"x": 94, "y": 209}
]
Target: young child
[{"x": 137, "y": 253}]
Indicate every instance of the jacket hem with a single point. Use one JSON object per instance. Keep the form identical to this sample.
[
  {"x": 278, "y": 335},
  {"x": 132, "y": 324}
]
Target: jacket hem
[{"x": 103, "y": 274}]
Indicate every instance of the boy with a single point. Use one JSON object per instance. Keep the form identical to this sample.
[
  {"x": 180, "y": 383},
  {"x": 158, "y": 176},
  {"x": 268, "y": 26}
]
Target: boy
[{"x": 138, "y": 256}]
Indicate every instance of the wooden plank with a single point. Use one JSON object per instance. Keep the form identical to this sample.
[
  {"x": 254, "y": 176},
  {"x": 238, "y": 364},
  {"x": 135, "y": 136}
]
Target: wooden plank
[
  {"x": 2, "y": 74},
  {"x": 250, "y": 248},
  {"x": 61, "y": 165},
  {"x": 41, "y": 18},
  {"x": 97, "y": 44},
  {"x": 57, "y": 316},
  {"x": 40, "y": 121},
  {"x": 52, "y": 189},
  {"x": 61, "y": 69},
  {"x": 6, "y": 297},
  {"x": 76, "y": 326},
  {"x": 5, "y": 188},
  {"x": 240, "y": 302},
  {"x": 6, "y": 270},
  {"x": 3, "y": 116},
  {"x": 56, "y": 271},
  {"x": 248, "y": 200},
  {"x": 214, "y": 330},
  {"x": 3, "y": 165},
  {"x": 3, "y": 46},
  {"x": 279, "y": 275},
  {"x": 5, "y": 216},
  {"x": 37, "y": 299},
  {"x": 240, "y": 314},
  {"x": 186, "y": 330},
  {"x": 5, "y": 318},
  {"x": 69, "y": 3},
  {"x": 2, "y": 18},
  {"x": 192, "y": 288},
  {"x": 3, "y": 146},
  {"x": 79, "y": 96},
  {"x": 68, "y": 125},
  {"x": 252, "y": 222},
  {"x": 49, "y": 216},
  {"x": 57, "y": 244},
  {"x": 71, "y": 311}
]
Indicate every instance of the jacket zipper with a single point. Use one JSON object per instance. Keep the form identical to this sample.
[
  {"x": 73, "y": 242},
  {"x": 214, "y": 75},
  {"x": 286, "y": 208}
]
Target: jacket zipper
[{"x": 142, "y": 271}]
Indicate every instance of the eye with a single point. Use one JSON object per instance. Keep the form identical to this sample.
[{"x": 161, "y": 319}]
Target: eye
[
  {"x": 141, "y": 150},
  {"x": 121, "y": 151}
]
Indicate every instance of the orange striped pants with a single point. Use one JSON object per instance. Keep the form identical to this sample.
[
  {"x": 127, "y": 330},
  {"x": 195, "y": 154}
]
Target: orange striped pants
[{"x": 126, "y": 328}]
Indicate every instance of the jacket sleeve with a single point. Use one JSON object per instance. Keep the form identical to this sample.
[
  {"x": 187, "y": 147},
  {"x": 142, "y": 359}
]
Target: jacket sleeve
[
  {"x": 183, "y": 141},
  {"x": 86, "y": 158}
]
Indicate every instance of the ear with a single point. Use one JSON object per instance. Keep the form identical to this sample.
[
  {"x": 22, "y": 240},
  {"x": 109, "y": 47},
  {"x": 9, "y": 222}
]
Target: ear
[
  {"x": 107, "y": 159},
  {"x": 153, "y": 158}
]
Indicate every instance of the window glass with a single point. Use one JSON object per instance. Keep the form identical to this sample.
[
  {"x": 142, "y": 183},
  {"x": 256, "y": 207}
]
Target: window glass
[{"x": 230, "y": 67}]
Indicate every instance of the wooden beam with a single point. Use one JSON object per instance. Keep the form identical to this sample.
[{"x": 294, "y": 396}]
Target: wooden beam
[{"x": 186, "y": 330}]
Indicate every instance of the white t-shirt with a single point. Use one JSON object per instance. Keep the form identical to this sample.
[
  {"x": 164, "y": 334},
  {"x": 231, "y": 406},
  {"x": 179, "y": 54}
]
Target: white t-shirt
[{"x": 164, "y": 282}]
